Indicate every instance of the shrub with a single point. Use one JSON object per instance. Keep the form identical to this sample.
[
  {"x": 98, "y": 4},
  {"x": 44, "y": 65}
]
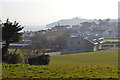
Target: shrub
[
  {"x": 14, "y": 57},
  {"x": 40, "y": 60}
]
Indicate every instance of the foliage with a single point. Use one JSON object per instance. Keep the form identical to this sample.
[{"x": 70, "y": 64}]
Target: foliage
[
  {"x": 40, "y": 60},
  {"x": 14, "y": 57},
  {"x": 10, "y": 34},
  {"x": 18, "y": 50},
  {"x": 55, "y": 42},
  {"x": 59, "y": 71}
]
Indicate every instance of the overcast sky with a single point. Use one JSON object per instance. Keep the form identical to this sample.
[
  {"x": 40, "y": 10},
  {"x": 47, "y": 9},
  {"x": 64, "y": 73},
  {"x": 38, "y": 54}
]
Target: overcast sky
[{"x": 42, "y": 12}]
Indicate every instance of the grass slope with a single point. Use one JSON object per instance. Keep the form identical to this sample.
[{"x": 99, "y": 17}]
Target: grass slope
[
  {"x": 88, "y": 58},
  {"x": 59, "y": 71},
  {"x": 100, "y": 64}
]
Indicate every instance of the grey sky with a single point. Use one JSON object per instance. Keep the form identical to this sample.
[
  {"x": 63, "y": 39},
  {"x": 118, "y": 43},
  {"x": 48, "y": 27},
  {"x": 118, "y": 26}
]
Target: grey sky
[{"x": 42, "y": 12}]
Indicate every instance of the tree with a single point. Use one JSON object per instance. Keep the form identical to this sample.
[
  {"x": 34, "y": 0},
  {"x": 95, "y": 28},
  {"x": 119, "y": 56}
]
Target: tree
[
  {"x": 10, "y": 34},
  {"x": 60, "y": 40},
  {"x": 39, "y": 42}
]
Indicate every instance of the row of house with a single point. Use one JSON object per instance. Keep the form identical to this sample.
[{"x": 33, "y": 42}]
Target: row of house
[{"x": 103, "y": 28}]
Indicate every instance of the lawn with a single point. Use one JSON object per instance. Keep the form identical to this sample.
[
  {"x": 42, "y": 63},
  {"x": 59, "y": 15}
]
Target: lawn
[
  {"x": 59, "y": 71},
  {"x": 100, "y": 64},
  {"x": 88, "y": 58},
  {"x": 111, "y": 40}
]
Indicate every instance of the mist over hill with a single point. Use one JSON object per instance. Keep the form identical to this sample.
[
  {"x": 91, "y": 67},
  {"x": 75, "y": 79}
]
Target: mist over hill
[
  {"x": 74, "y": 21},
  {"x": 33, "y": 27}
]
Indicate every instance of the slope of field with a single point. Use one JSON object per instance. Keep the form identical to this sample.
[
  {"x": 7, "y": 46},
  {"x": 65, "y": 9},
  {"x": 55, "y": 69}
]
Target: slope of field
[
  {"x": 59, "y": 71},
  {"x": 100, "y": 64},
  {"x": 88, "y": 58}
]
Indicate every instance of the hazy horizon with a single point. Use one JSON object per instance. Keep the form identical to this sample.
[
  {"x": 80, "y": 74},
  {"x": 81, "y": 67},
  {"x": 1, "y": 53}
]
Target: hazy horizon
[{"x": 42, "y": 12}]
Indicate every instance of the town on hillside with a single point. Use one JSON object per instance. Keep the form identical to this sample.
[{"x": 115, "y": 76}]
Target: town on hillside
[
  {"x": 66, "y": 39},
  {"x": 59, "y": 39},
  {"x": 87, "y": 36}
]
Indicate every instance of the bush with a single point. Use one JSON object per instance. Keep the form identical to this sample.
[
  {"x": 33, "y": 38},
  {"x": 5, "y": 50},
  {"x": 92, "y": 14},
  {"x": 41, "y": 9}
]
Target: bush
[
  {"x": 14, "y": 57},
  {"x": 40, "y": 60}
]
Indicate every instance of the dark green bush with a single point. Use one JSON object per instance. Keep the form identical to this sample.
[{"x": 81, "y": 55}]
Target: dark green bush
[{"x": 40, "y": 60}]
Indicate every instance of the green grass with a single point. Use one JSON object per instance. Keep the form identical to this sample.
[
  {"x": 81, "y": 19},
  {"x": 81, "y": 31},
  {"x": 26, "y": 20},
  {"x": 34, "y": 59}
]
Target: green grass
[
  {"x": 88, "y": 58},
  {"x": 100, "y": 64},
  {"x": 12, "y": 50},
  {"x": 109, "y": 44},
  {"x": 18, "y": 51},
  {"x": 59, "y": 71},
  {"x": 25, "y": 51},
  {"x": 111, "y": 40},
  {"x": 111, "y": 37}
]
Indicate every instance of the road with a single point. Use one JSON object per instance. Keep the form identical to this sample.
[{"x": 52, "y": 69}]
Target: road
[{"x": 53, "y": 53}]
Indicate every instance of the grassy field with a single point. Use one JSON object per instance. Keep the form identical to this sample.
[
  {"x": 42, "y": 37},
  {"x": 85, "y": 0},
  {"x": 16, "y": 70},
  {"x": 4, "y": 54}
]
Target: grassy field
[
  {"x": 111, "y": 40},
  {"x": 59, "y": 71},
  {"x": 12, "y": 50},
  {"x": 100, "y": 64},
  {"x": 88, "y": 58}
]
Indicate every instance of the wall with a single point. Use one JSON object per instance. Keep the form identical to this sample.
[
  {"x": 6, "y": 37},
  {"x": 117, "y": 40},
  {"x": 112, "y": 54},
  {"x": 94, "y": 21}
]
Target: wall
[
  {"x": 84, "y": 44},
  {"x": 78, "y": 45}
]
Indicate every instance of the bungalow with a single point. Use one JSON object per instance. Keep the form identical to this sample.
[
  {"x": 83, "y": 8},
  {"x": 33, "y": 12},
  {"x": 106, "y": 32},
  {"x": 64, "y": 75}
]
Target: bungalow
[{"x": 83, "y": 43}]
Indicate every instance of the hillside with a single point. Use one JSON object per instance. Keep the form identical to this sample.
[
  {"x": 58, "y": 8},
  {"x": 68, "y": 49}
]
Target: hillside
[{"x": 74, "y": 21}]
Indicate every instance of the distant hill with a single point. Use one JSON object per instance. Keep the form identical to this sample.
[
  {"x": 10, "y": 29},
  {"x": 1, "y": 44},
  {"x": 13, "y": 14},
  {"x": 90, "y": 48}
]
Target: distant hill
[
  {"x": 33, "y": 27},
  {"x": 74, "y": 21}
]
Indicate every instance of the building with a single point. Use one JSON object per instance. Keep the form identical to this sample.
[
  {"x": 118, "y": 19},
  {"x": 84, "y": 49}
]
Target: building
[
  {"x": 83, "y": 43},
  {"x": 20, "y": 44}
]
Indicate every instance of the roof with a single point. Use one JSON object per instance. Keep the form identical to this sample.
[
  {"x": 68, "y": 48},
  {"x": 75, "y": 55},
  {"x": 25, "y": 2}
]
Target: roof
[
  {"x": 19, "y": 44},
  {"x": 91, "y": 38},
  {"x": 94, "y": 39}
]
